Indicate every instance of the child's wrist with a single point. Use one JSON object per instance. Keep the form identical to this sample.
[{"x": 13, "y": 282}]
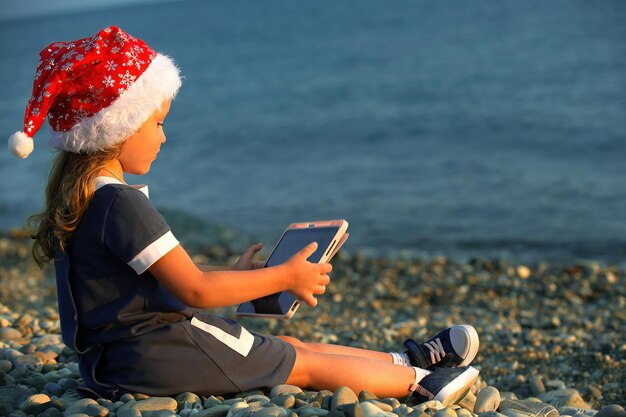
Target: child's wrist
[{"x": 286, "y": 276}]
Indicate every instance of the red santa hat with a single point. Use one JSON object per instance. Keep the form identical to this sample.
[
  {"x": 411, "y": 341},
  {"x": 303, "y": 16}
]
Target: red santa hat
[{"x": 95, "y": 92}]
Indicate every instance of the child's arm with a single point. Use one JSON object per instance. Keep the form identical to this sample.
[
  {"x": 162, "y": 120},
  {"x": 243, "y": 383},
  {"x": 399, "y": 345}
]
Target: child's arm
[
  {"x": 200, "y": 289},
  {"x": 214, "y": 268}
]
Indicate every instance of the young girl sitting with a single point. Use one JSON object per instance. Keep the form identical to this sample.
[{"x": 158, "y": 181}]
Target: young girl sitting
[{"x": 130, "y": 297}]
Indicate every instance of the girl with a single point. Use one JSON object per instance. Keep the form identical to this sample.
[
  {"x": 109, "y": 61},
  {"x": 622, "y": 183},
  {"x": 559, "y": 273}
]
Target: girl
[{"x": 129, "y": 294}]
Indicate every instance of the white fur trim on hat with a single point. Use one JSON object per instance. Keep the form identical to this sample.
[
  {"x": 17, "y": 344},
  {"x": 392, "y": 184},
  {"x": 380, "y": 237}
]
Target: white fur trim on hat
[
  {"x": 115, "y": 123},
  {"x": 20, "y": 144}
]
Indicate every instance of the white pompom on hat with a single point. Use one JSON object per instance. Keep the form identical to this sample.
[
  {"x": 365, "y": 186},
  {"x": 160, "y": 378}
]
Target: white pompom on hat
[
  {"x": 95, "y": 92},
  {"x": 21, "y": 144}
]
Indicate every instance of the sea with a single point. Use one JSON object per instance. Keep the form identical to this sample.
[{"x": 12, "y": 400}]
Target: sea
[{"x": 469, "y": 130}]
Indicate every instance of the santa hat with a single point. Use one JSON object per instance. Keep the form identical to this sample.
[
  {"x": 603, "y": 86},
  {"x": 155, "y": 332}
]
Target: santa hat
[{"x": 95, "y": 92}]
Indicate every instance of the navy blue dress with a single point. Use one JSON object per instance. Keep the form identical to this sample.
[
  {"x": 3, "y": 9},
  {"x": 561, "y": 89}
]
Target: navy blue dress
[{"x": 130, "y": 334}]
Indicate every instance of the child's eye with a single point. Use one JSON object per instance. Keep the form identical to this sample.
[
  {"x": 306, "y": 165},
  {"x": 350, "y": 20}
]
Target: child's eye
[{"x": 159, "y": 124}]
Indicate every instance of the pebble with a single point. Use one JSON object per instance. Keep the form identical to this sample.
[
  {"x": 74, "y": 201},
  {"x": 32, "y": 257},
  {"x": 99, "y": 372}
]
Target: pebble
[
  {"x": 393, "y": 402},
  {"x": 53, "y": 388},
  {"x": 86, "y": 406},
  {"x": 161, "y": 413},
  {"x": 31, "y": 363},
  {"x": 594, "y": 391},
  {"x": 445, "y": 412},
  {"x": 156, "y": 404},
  {"x": 188, "y": 400},
  {"x": 312, "y": 412},
  {"x": 564, "y": 397},
  {"x": 5, "y": 365},
  {"x": 530, "y": 406},
  {"x": 214, "y": 411},
  {"x": 258, "y": 398},
  {"x": 403, "y": 410},
  {"x": 555, "y": 384},
  {"x": 272, "y": 412},
  {"x": 579, "y": 412},
  {"x": 369, "y": 409},
  {"x": 211, "y": 401},
  {"x": 516, "y": 413},
  {"x": 284, "y": 389},
  {"x": 613, "y": 410},
  {"x": 536, "y": 385},
  {"x": 58, "y": 375},
  {"x": 432, "y": 405},
  {"x": 284, "y": 400},
  {"x": 127, "y": 412},
  {"x": 343, "y": 395},
  {"x": 366, "y": 395},
  {"x": 523, "y": 272},
  {"x": 464, "y": 412},
  {"x": 236, "y": 407},
  {"x": 51, "y": 412},
  {"x": 381, "y": 405},
  {"x": 33, "y": 404},
  {"x": 491, "y": 414},
  {"x": 469, "y": 401},
  {"x": 9, "y": 333},
  {"x": 508, "y": 396},
  {"x": 487, "y": 399},
  {"x": 232, "y": 401},
  {"x": 13, "y": 394},
  {"x": 127, "y": 397}
]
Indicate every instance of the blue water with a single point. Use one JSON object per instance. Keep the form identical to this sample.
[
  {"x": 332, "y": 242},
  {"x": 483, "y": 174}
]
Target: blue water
[{"x": 435, "y": 127}]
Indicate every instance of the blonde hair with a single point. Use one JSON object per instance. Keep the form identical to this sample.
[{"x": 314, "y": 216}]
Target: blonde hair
[{"x": 70, "y": 187}]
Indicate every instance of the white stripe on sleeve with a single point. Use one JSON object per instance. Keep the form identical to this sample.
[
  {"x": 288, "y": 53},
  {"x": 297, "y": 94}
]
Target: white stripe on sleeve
[{"x": 153, "y": 253}]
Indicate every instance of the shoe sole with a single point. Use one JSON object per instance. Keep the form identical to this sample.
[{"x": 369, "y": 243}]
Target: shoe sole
[
  {"x": 458, "y": 387},
  {"x": 464, "y": 339}
]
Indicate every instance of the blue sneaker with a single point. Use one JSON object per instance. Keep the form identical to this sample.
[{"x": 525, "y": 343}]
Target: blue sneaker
[
  {"x": 451, "y": 347},
  {"x": 447, "y": 385}
]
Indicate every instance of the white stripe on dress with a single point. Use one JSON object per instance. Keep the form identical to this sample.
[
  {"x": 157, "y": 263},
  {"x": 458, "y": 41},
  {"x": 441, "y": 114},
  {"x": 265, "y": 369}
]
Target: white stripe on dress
[
  {"x": 242, "y": 344},
  {"x": 153, "y": 253}
]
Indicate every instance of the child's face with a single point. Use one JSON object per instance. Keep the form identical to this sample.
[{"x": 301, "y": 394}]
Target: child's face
[{"x": 141, "y": 149}]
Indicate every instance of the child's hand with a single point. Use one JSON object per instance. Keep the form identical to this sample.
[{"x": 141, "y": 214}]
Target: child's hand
[
  {"x": 246, "y": 262},
  {"x": 307, "y": 279}
]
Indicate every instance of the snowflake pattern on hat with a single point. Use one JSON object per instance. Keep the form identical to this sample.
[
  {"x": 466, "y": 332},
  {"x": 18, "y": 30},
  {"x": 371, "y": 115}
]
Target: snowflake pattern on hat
[
  {"x": 94, "y": 86},
  {"x": 77, "y": 83}
]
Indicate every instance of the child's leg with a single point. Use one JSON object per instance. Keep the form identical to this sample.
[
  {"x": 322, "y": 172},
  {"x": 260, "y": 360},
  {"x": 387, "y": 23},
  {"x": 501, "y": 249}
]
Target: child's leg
[
  {"x": 339, "y": 350},
  {"x": 322, "y": 366},
  {"x": 319, "y": 370},
  {"x": 454, "y": 346}
]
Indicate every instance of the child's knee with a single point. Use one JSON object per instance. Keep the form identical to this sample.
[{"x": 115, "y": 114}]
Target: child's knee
[
  {"x": 301, "y": 372},
  {"x": 292, "y": 341}
]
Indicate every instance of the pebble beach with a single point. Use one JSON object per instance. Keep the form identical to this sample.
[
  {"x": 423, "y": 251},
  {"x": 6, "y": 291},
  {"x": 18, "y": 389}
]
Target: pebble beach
[{"x": 553, "y": 339}]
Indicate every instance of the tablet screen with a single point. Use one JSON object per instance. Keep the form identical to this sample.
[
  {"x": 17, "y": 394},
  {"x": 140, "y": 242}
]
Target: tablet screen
[{"x": 292, "y": 241}]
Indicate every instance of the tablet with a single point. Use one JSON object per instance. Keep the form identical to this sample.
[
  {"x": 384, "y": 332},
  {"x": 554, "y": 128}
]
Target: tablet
[{"x": 330, "y": 235}]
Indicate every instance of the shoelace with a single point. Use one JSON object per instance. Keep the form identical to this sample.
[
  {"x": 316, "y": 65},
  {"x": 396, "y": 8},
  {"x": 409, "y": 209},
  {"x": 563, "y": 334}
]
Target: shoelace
[{"x": 437, "y": 352}]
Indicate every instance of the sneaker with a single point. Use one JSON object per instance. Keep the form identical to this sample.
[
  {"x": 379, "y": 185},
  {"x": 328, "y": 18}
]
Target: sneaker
[
  {"x": 451, "y": 347},
  {"x": 447, "y": 385}
]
